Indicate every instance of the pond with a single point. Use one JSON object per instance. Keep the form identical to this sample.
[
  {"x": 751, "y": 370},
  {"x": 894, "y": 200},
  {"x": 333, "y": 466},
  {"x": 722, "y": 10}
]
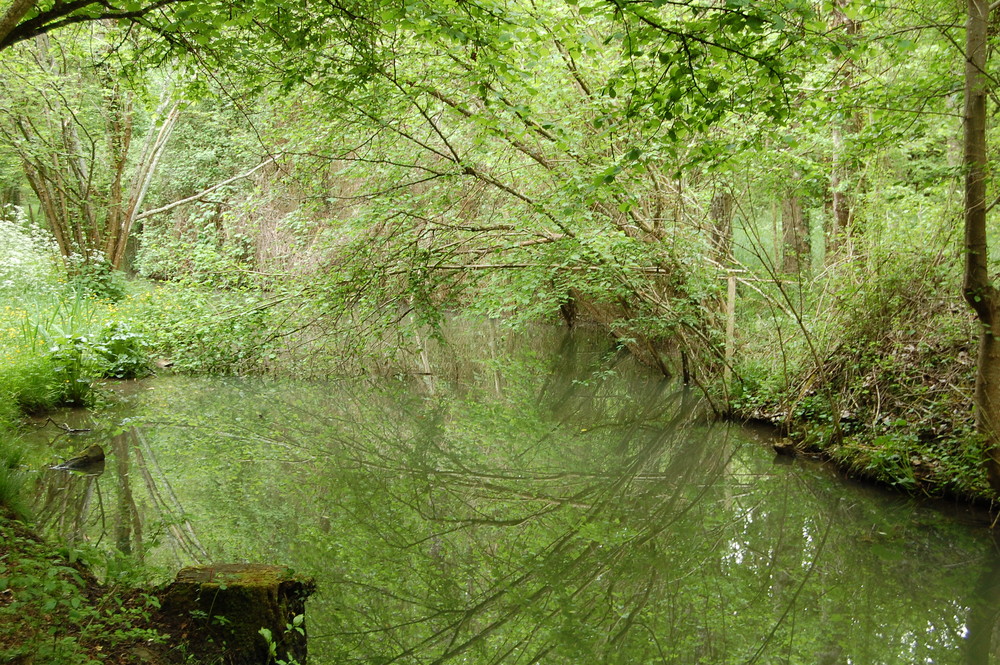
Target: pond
[{"x": 527, "y": 499}]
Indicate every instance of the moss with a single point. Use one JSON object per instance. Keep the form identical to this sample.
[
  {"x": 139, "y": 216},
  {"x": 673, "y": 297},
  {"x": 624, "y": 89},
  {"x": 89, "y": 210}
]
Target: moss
[{"x": 227, "y": 605}]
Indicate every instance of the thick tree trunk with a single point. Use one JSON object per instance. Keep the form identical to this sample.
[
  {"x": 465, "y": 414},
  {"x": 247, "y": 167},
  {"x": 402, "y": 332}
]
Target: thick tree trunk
[{"x": 979, "y": 292}]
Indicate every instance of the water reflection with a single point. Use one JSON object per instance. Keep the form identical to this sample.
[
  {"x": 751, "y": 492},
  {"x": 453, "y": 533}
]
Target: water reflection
[
  {"x": 982, "y": 645},
  {"x": 548, "y": 504},
  {"x": 65, "y": 500}
]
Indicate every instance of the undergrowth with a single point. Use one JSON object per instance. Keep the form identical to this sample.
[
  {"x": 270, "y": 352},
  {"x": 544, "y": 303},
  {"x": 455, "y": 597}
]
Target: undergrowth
[
  {"x": 53, "y": 612},
  {"x": 883, "y": 384}
]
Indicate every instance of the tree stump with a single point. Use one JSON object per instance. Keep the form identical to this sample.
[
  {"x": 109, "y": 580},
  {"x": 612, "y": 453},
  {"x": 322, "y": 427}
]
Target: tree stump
[{"x": 222, "y": 609}]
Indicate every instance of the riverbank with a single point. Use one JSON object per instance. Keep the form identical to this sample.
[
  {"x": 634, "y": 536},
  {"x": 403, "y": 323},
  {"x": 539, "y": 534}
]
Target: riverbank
[
  {"x": 466, "y": 477},
  {"x": 881, "y": 385}
]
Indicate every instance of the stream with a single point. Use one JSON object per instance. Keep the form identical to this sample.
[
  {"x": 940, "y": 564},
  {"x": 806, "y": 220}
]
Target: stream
[{"x": 533, "y": 498}]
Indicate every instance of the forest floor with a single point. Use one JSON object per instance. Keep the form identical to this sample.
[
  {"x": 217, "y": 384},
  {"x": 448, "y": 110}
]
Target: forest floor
[{"x": 54, "y": 611}]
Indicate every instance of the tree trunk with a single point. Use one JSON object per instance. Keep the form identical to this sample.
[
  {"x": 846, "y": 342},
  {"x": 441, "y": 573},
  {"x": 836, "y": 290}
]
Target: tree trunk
[
  {"x": 840, "y": 175},
  {"x": 721, "y": 214},
  {"x": 796, "y": 235},
  {"x": 979, "y": 292},
  {"x": 840, "y": 219}
]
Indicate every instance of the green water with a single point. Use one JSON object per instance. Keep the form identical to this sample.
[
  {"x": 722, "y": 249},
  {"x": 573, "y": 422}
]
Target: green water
[{"x": 529, "y": 500}]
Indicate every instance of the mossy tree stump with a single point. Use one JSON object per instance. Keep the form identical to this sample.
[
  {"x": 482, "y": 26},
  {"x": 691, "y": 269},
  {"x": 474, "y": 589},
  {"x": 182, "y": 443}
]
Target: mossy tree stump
[{"x": 224, "y": 608}]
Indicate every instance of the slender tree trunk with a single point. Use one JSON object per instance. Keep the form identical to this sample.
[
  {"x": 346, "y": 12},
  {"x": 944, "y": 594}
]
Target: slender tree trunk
[
  {"x": 840, "y": 175},
  {"x": 979, "y": 292},
  {"x": 840, "y": 219},
  {"x": 796, "y": 235}
]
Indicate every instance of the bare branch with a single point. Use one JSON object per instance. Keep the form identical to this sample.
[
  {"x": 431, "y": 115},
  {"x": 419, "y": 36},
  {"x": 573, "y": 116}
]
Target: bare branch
[{"x": 204, "y": 192}]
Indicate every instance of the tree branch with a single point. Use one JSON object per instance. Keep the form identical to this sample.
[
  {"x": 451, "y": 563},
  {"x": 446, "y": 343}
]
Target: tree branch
[
  {"x": 61, "y": 15},
  {"x": 13, "y": 16},
  {"x": 195, "y": 197}
]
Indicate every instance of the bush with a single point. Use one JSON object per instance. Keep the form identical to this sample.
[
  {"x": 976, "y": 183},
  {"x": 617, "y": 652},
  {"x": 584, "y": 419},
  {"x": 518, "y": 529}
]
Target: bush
[
  {"x": 124, "y": 352},
  {"x": 96, "y": 278},
  {"x": 203, "y": 330}
]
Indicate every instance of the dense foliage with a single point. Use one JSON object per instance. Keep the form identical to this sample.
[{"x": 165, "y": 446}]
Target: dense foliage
[
  {"x": 764, "y": 200},
  {"x": 318, "y": 208}
]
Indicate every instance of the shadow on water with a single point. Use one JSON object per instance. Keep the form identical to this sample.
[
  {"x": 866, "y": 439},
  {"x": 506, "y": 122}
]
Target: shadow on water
[{"x": 532, "y": 500}]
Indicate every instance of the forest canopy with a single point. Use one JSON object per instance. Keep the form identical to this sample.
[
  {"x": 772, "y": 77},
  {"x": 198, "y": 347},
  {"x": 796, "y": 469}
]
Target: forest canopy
[{"x": 780, "y": 203}]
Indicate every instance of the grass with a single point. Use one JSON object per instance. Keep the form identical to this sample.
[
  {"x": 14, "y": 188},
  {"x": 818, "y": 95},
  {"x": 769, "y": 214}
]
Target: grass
[{"x": 53, "y": 347}]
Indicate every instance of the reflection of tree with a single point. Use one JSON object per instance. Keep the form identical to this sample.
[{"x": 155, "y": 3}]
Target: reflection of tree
[
  {"x": 127, "y": 521},
  {"x": 570, "y": 516},
  {"x": 547, "y": 552},
  {"x": 64, "y": 500},
  {"x": 651, "y": 540},
  {"x": 982, "y": 647},
  {"x": 66, "y": 506},
  {"x": 165, "y": 503}
]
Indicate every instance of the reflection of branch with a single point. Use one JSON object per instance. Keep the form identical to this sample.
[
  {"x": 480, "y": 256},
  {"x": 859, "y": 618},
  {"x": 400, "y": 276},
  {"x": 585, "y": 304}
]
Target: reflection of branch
[
  {"x": 792, "y": 603},
  {"x": 66, "y": 428}
]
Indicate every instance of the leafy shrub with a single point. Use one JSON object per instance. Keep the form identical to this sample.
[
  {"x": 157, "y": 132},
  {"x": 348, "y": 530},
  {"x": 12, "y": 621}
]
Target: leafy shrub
[
  {"x": 208, "y": 259},
  {"x": 123, "y": 350},
  {"x": 203, "y": 330},
  {"x": 95, "y": 277},
  {"x": 63, "y": 333}
]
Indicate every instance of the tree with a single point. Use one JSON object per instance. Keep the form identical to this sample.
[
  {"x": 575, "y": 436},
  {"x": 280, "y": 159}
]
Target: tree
[
  {"x": 980, "y": 292},
  {"x": 71, "y": 123}
]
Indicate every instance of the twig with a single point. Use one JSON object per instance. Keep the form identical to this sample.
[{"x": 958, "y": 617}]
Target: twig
[{"x": 66, "y": 428}]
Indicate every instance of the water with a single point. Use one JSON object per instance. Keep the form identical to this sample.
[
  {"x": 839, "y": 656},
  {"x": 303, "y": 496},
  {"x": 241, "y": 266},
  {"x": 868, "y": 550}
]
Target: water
[{"x": 532, "y": 500}]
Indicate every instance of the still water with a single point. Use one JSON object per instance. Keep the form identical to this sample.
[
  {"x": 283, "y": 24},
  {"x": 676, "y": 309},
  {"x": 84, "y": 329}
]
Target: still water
[{"x": 532, "y": 499}]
